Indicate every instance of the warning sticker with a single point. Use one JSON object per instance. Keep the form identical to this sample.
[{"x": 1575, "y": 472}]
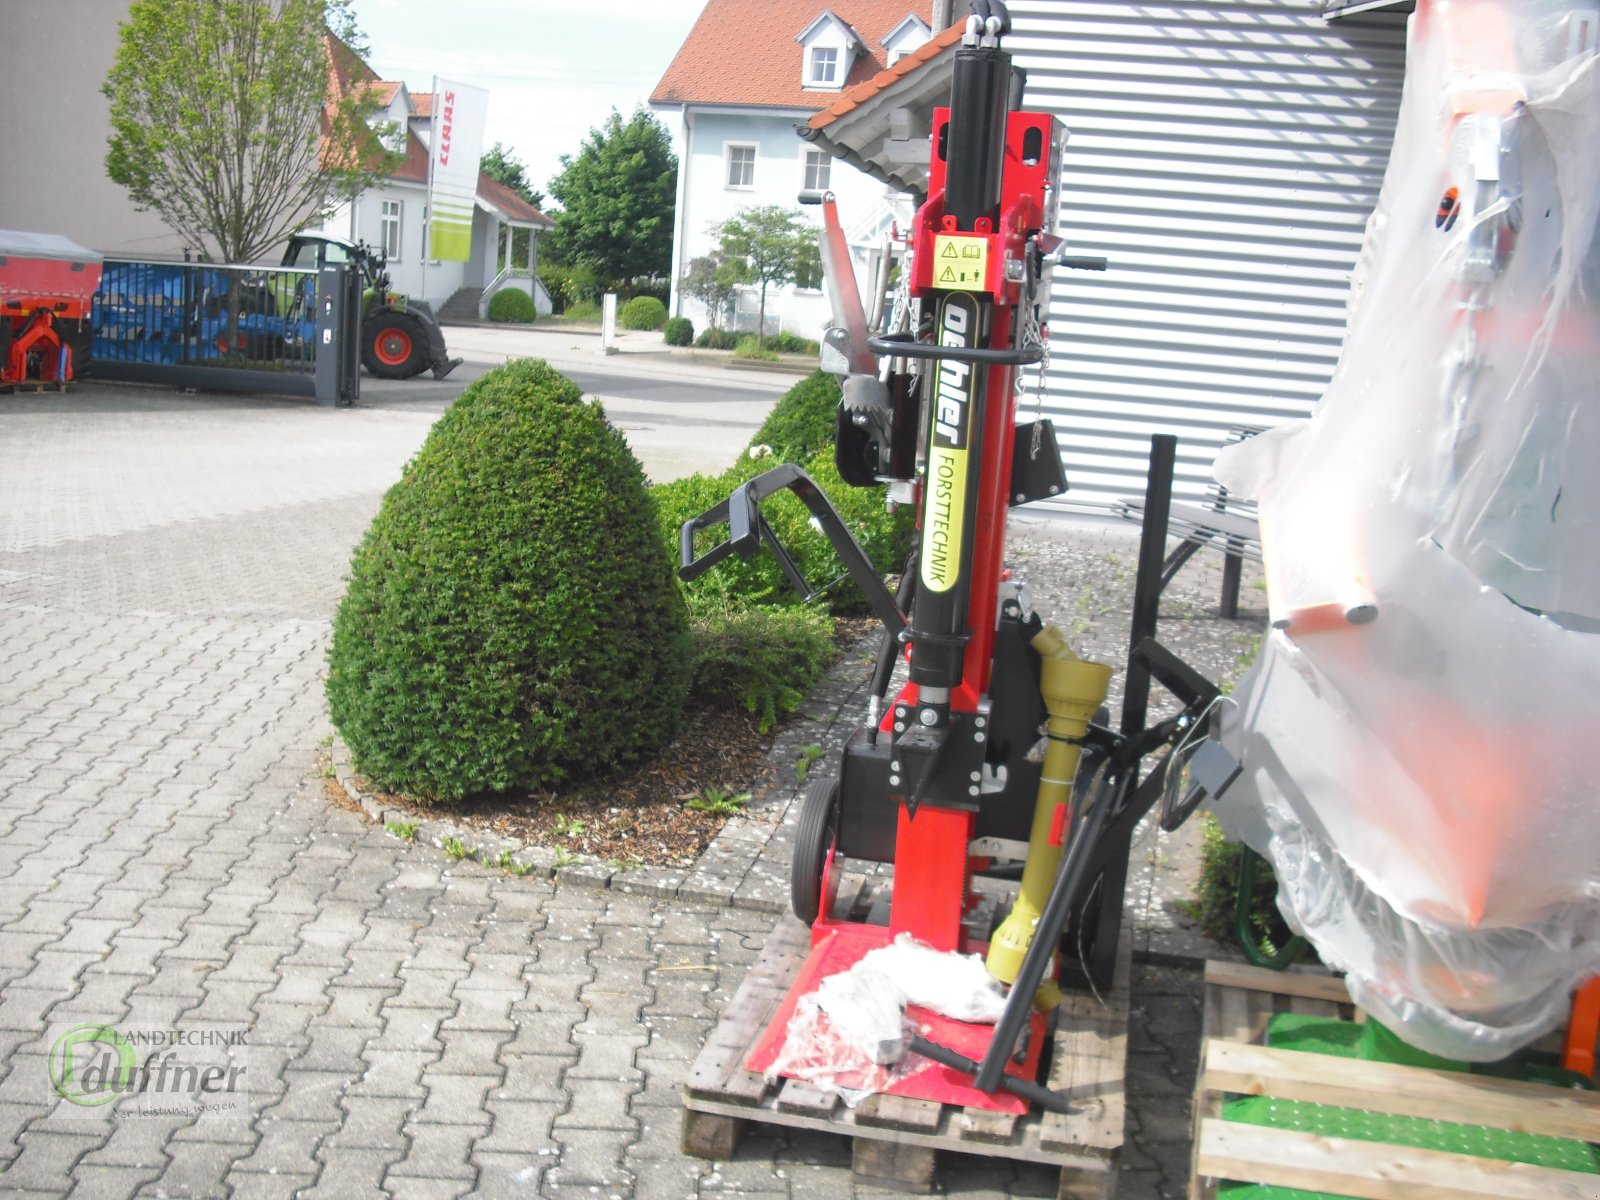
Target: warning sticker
[{"x": 960, "y": 264}]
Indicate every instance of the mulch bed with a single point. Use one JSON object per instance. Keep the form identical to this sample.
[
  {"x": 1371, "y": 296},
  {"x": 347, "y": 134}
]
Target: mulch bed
[{"x": 640, "y": 817}]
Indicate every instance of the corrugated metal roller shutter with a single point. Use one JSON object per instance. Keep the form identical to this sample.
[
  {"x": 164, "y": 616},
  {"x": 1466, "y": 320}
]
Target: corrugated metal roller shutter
[{"x": 1225, "y": 156}]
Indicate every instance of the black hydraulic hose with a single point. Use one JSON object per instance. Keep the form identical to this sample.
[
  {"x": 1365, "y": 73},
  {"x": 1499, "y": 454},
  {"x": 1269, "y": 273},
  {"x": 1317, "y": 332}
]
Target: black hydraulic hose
[
  {"x": 1035, "y": 1093},
  {"x": 985, "y": 9},
  {"x": 892, "y": 642},
  {"x": 1047, "y": 933}
]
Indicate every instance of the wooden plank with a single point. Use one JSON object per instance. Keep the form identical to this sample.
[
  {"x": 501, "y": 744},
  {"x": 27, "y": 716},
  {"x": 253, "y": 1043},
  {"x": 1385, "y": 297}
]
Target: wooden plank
[
  {"x": 1307, "y": 1006},
  {"x": 895, "y": 1165},
  {"x": 1089, "y": 1181},
  {"x": 982, "y": 1125},
  {"x": 1401, "y": 1090},
  {"x": 1292, "y": 982},
  {"x": 844, "y": 900},
  {"x": 943, "y": 1137},
  {"x": 1374, "y": 1171},
  {"x": 798, "y": 1096},
  {"x": 1090, "y": 1065},
  {"x": 899, "y": 1112},
  {"x": 1223, "y": 1014},
  {"x": 707, "y": 1135}
]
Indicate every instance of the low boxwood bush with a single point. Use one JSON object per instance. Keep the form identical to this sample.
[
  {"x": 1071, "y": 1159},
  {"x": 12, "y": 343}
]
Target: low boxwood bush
[
  {"x": 643, "y": 312},
  {"x": 678, "y": 331},
  {"x": 758, "y": 581},
  {"x": 716, "y": 339},
  {"x": 509, "y": 304},
  {"x": 803, "y": 420},
  {"x": 511, "y": 619},
  {"x": 764, "y": 660}
]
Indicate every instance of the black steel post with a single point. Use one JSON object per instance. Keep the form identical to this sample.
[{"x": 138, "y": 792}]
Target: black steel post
[
  {"x": 1101, "y": 914},
  {"x": 1147, "y": 581}
]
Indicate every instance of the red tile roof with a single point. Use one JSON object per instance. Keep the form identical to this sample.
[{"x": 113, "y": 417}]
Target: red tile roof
[
  {"x": 414, "y": 166},
  {"x": 347, "y": 74},
  {"x": 513, "y": 206},
  {"x": 744, "y": 52},
  {"x": 862, "y": 92}
]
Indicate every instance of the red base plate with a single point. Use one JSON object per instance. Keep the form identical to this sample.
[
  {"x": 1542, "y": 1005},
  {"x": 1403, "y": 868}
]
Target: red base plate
[{"x": 840, "y": 948}]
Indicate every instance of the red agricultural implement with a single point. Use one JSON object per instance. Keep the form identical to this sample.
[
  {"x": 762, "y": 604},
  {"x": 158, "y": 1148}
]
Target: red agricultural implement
[
  {"x": 47, "y": 287},
  {"x": 992, "y": 759}
]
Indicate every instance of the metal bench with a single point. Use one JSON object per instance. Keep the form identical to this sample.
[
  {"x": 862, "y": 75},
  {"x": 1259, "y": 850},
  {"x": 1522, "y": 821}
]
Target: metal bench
[{"x": 1222, "y": 520}]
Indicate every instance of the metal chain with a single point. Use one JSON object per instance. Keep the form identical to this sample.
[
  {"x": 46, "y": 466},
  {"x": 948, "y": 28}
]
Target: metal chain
[{"x": 1034, "y": 333}]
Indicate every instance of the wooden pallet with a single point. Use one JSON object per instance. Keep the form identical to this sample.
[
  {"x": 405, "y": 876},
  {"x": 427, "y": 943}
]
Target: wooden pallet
[
  {"x": 32, "y": 386},
  {"x": 1238, "y": 1002},
  {"x": 895, "y": 1140}
]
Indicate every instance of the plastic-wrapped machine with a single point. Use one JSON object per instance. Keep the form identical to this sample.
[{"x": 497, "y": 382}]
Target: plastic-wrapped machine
[{"x": 1421, "y": 734}]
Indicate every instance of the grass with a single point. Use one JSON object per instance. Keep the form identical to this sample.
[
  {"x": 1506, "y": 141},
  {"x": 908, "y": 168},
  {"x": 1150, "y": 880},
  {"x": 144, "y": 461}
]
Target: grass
[
  {"x": 751, "y": 348},
  {"x": 406, "y": 831},
  {"x": 719, "y": 803},
  {"x": 567, "y": 826},
  {"x": 564, "y": 857},
  {"x": 802, "y": 764},
  {"x": 454, "y": 848}
]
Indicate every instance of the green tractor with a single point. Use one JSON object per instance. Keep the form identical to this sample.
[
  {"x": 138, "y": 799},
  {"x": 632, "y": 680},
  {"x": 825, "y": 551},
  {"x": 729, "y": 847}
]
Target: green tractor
[{"x": 399, "y": 338}]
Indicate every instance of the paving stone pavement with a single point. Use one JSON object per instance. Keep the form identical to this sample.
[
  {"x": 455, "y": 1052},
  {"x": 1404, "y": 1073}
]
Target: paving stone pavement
[{"x": 413, "y": 1026}]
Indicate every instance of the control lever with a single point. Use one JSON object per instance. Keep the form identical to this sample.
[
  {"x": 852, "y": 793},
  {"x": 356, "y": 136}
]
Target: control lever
[{"x": 844, "y": 298}]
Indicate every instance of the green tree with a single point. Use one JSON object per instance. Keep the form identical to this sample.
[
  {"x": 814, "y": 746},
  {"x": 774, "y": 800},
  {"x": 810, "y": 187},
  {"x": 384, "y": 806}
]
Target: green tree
[
  {"x": 766, "y": 246},
  {"x": 713, "y": 282},
  {"x": 617, "y": 197},
  {"x": 222, "y": 121},
  {"x": 505, "y": 168}
]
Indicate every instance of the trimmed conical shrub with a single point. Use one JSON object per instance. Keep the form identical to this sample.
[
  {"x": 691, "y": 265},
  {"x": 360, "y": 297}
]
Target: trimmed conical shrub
[{"x": 511, "y": 618}]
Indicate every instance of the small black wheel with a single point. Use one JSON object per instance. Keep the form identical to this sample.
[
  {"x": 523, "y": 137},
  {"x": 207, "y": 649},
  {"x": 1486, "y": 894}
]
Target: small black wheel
[
  {"x": 813, "y": 840},
  {"x": 394, "y": 346}
]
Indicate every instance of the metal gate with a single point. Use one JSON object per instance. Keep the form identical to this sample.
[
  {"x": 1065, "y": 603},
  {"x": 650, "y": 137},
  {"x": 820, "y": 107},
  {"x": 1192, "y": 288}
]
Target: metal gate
[{"x": 229, "y": 328}]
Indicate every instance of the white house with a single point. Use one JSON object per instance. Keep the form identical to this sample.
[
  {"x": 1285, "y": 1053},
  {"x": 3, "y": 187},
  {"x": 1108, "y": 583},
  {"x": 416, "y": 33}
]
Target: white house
[
  {"x": 749, "y": 72},
  {"x": 392, "y": 214}
]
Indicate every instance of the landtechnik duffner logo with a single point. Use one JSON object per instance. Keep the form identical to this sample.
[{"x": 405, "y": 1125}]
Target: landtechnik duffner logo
[{"x": 148, "y": 1072}]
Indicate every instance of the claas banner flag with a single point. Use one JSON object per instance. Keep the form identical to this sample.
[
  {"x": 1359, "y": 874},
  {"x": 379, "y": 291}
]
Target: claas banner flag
[{"x": 458, "y": 115}]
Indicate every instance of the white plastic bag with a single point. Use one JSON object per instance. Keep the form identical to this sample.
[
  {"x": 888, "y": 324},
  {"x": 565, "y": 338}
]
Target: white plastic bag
[{"x": 851, "y": 1035}]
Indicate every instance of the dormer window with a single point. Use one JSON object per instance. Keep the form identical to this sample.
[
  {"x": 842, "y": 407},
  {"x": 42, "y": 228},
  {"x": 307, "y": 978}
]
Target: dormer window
[
  {"x": 824, "y": 66},
  {"x": 828, "y": 49},
  {"x": 905, "y": 37}
]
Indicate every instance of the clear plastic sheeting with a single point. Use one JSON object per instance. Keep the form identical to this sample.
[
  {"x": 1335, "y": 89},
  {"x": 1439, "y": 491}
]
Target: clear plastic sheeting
[
  {"x": 852, "y": 1036},
  {"x": 1421, "y": 734}
]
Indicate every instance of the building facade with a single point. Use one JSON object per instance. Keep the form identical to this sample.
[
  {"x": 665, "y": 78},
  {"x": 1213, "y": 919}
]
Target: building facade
[{"x": 748, "y": 74}]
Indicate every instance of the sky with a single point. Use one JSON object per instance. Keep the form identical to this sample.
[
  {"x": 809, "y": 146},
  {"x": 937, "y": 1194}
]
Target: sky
[{"x": 554, "y": 72}]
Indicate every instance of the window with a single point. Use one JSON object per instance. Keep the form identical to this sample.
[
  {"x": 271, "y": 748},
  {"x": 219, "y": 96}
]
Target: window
[
  {"x": 808, "y": 269},
  {"x": 741, "y": 166},
  {"x": 391, "y": 229},
  {"x": 824, "y": 66},
  {"x": 819, "y": 169}
]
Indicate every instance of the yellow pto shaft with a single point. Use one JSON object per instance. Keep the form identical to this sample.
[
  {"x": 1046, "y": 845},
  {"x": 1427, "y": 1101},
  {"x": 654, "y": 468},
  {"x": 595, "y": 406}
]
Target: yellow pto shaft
[{"x": 1073, "y": 689}]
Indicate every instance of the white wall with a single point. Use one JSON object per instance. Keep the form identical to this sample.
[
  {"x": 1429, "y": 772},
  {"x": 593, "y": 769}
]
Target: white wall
[
  {"x": 363, "y": 222},
  {"x": 705, "y": 200},
  {"x": 53, "y": 59}
]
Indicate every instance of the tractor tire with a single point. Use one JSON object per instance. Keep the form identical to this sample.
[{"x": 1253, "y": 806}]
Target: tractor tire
[
  {"x": 814, "y": 840},
  {"x": 394, "y": 346}
]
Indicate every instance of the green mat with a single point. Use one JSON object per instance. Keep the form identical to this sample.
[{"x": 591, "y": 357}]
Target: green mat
[{"x": 1346, "y": 1039}]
